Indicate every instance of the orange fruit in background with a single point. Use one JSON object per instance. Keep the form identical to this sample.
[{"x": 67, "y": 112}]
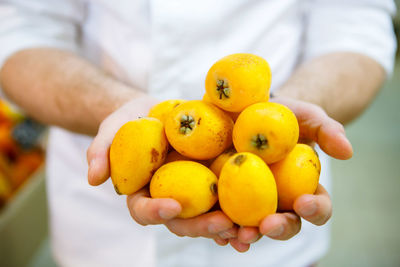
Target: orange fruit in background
[
  {"x": 237, "y": 81},
  {"x": 138, "y": 149},
  {"x": 297, "y": 174},
  {"x": 247, "y": 190},
  {"x": 175, "y": 156},
  {"x": 193, "y": 185},
  {"x": 218, "y": 163},
  {"x": 199, "y": 130},
  {"x": 269, "y": 130},
  {"x": 161, "y": 110}
]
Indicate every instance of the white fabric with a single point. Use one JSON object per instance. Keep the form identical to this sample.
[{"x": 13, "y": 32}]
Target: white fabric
[{"x": 165, "y": 48}]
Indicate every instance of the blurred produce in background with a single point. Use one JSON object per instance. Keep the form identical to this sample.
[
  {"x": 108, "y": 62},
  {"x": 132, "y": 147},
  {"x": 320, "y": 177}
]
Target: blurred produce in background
[{"x": 21, "y": 152}]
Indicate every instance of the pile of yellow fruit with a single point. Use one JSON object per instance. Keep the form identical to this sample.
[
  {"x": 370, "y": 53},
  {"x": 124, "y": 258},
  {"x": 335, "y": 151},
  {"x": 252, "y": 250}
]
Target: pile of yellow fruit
[{"x": 233, "y": 146}]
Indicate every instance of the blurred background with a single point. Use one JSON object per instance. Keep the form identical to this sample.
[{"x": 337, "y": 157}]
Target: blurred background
[{"x": 366, "y": 189}]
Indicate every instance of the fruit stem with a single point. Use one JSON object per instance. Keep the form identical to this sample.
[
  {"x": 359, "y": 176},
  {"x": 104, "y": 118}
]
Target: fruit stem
[
  {"x": 239, "y": 159},
  {"x": 259, "y": 141},
  {"x": 223, "y": 89},
  {"x": 187, "y": 124}
]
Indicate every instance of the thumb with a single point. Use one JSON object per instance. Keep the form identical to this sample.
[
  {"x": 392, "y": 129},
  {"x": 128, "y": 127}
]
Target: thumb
[{"x": 98, "y": 159}]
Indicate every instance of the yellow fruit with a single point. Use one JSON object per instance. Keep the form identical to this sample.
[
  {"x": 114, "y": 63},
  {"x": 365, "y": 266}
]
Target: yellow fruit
[
  {"x": 199, "y": 130},
  {"x": 247, "y": 190},
  {"x": 218, "y": 163},
  {"x": 138, "y": 149},
  {"x": 233, "y": 115},
  {"x": 162, "y": 109},
  {"x": 267, "y": 129},
  {"x": 295, "y": 175},
  {"x": 237, "y": 81},
  {"x": 193, "y": 185}
]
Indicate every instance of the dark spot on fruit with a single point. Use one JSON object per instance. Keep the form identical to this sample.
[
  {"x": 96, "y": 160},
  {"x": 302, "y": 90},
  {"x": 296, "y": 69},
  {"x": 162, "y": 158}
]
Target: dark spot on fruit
[
  {"x": 198, "y": 122},
  {"x": 239, "y": 159},
  {"x": 214, "y": 188},
  {"x": 313, "y": 163},
  {"x": 177, "y": 104},
  {"x": 117, "y": 190},
  {"x": 164, "y": 153},
  {"x": 154, "y": 155},
  {"x": 125, "y": 180}
]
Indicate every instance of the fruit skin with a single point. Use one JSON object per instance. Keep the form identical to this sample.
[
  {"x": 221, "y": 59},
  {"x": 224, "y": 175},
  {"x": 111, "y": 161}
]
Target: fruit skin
[
  {"x": 199, "y": 130},
  {"x": 247, "y": 190},
  {"x": 295, "y": 175},
  {"x": 233, "y": 115},
  {"x": 138, "y": 149},
  {"x": 161, "y": 110},
  {"x": 193, "y": 185},
  {"x": 237, "y": 81},
  {"x": 218, "y": 163},
  {"x": 269, "y": 130}
]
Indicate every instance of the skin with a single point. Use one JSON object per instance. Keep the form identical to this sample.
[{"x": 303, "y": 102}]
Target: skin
[{"x": 101, "y": 105}]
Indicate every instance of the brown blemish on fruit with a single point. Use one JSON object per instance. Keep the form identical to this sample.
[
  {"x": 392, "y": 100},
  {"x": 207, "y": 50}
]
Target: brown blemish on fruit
[
  {"x": 214, "y": 188},
  {"x": 154, "y": 155},
  {"x": 117, "y": 190},
  {"x": 313, "y": 163},
  {"x": 164, "y": 153},
  {"x": 239, "y": 159},
  {"x": 198, "y": 122},
  {"x": 177, "y": 104}
]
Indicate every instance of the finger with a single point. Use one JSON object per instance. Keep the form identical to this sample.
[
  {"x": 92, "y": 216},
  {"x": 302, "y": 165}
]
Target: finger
[
  {"x": 145, "y": 210},
  {"x": 220, "y": 241},
  {"x": 239, "y": 246},
  {"x": 97, "y": 157},
  {"x": 331, "y": 138},
  {"x": 205, "y": 225},
  {"x": 248, "y": 235},
  {"x": 281, "y": 226},
  {"x": 317, "y": 126},
  {"x": 316, "y": 208}
]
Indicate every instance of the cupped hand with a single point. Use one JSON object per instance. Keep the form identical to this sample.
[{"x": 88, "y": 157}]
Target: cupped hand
[
  {"x": 143, "y": 209},
  {"x": 315, "y": 126},
  {"x": 147, "y": 211}
]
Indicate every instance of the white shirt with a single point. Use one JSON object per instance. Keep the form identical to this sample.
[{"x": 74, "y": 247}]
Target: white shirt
[{"x": 165, "y": 48}]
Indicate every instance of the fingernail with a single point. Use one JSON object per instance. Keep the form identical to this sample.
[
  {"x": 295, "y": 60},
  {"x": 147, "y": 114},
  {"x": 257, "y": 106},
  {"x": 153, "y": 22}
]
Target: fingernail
[
  {"x": 275, "y": 232},
  {"x": 167, "y": 214},
  {"x": 308, "y": 209},
  {"x": 92, "y": 162},
  {"x": 226, "y": 234}
]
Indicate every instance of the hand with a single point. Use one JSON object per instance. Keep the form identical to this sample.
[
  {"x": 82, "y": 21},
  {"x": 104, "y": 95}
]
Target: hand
[
  {"x": 315, "y": 126},
  {"x": 143, "y": 209}
]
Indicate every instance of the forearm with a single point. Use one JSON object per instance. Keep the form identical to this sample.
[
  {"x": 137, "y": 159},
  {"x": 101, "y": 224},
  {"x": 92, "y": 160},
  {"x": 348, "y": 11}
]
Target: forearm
[
  {"x": 343, "y": 84},
  {"x": 59, "y": 88}
]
